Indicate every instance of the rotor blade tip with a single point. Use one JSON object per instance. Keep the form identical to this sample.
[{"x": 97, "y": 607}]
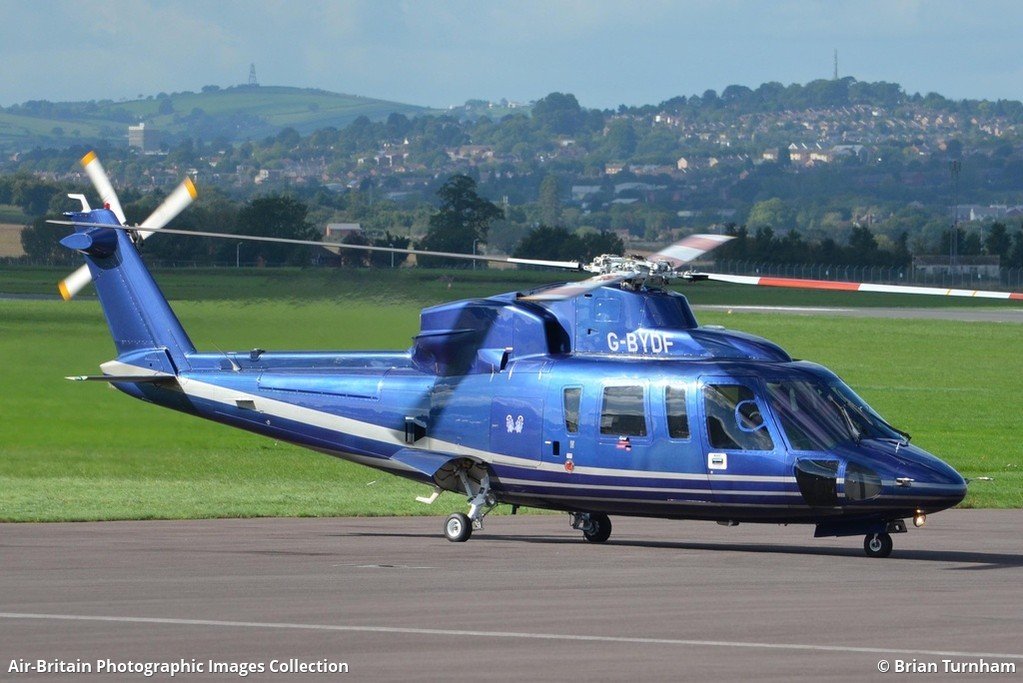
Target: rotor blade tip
[
  {"x": 65, "y": 294},
  {"x": 190, "y": 186},
  {"x": 88, "y": 158}
]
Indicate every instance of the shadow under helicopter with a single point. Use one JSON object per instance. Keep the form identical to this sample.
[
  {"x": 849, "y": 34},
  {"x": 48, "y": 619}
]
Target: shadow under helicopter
[{"x": 971, "y": 560}]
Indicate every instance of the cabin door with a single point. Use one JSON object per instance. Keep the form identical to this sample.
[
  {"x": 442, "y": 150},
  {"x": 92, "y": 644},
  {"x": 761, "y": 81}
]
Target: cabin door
[
  {"x": 743, "y": 450},
  {"x": 568, "y": 422}
]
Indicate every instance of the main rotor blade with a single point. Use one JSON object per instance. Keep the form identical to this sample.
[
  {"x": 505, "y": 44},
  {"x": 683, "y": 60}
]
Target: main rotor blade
[
  {"x": 176, "y": 202},
  {"x": 574, "y": 289},
  {"x": 100, "y": 180},
  {"x": 689, "y": 249},
  {"x": 570, "y": 265},
  {"x": 798, "y": 283}
]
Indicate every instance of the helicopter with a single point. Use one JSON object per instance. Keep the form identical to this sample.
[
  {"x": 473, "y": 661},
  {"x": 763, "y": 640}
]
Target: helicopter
[{"x": 596, "y": 398}]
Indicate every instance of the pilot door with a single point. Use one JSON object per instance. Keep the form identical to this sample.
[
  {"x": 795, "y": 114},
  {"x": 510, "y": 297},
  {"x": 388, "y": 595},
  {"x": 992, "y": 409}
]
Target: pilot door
[{"x": 740, "y": 439}]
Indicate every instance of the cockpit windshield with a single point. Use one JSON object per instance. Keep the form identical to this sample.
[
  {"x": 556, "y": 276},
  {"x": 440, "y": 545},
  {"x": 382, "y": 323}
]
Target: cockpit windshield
[{"x": 817, "y": 415}]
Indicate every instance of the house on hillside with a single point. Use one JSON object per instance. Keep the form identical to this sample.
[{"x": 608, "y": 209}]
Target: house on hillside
[{"x": 336, "y": 232}]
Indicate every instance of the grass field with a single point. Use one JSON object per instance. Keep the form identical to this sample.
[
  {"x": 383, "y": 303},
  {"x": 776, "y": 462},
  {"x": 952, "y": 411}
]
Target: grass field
[{"x": 83, "y": 451}]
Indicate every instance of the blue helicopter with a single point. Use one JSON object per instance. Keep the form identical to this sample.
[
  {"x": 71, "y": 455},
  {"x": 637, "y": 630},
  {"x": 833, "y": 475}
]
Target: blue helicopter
[{"x": 597, "y": 398}]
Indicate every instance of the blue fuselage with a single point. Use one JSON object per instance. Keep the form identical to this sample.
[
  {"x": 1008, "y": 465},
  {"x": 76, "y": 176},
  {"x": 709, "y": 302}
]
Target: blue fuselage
[{"x": 547, "y": 430}]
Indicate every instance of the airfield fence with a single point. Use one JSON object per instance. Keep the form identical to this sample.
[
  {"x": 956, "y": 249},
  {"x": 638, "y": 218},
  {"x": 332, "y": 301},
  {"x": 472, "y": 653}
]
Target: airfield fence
[{"x": 1008, "y": 278}]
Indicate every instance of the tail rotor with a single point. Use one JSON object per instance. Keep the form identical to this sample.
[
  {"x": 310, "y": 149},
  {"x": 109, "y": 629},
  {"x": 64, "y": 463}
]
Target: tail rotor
[{"x": 176, "y": 202}]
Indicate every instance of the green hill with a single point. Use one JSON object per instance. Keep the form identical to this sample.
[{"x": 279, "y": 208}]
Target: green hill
[{"x": 237, "y": 113}]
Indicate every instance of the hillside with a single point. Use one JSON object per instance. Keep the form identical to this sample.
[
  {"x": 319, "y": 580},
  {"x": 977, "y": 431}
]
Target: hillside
[{"x": 235, "y": 114}]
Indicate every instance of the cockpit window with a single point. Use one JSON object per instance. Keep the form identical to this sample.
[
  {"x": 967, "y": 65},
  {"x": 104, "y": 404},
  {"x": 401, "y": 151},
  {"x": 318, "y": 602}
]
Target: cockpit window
[
  {"x": 869, "y": 423},
  {"x": 810, "y": 417},
  {"x": 817, "y": 416},
  {"x": 734, "y": 420}
]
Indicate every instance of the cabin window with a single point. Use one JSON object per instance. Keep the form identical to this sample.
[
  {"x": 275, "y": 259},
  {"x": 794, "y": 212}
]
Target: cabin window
[
  {"x": 675, "y": 409},
  {"x": 734, "y": 420},
  {"x": 571, "y": 403},
  {"x": 623, "y": 412}
]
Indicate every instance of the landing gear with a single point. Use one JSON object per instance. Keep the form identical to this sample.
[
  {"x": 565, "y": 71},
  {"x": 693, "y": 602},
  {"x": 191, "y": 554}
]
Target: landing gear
[
  {"x": 877, "y": 545},
  {"x": 458, "y": 527},
  {"x": 596, "y": 526}
]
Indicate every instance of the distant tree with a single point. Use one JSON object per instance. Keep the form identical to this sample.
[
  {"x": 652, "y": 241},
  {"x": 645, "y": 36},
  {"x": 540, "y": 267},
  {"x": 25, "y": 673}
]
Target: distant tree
[
  {"x": 971, "y": 245},
  {"x": 997, "y": 241},
  {"x": 552, "y": 243},
  {"x": 736, "y": 248},
  {"x": 621, "y": 139},
  {"x": 1016, "y": 253},
  {"x": 165, "y": 107},
  {"x": 559, "y": 113},
  {"x": 863, "y": 245},
  {"x": 383, "y": 259},
  {"x": 771, "y": 212},
  {"x": 277, "y": 216},
  {"x": 603, "y": 242},
  {"x": 397, "y": 125},
  {"x": 288, "y": 137},
  {"x": 550, "y": 200},
  {"x": 41, "y": 243},
  {"x": 462, "y": 219},
  {"x": 32, "y": 195},
  {"x": 354, "y": 258},
  {"x": 902, "y": 256},
  {"x": 555, "y": 243},
  {"x": 968, "y": 243},
  {"x": 736, "y": 94}
]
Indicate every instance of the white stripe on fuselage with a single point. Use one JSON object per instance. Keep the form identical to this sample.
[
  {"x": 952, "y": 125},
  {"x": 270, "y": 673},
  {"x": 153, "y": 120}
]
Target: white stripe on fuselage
[
  {"x": 644, "y": 489},
  {"x": 367, "y": 430}
]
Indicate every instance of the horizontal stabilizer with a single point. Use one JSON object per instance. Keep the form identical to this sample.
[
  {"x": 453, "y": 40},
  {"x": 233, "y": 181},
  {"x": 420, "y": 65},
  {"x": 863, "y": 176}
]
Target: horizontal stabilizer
[{"x": 118, "y": 371}]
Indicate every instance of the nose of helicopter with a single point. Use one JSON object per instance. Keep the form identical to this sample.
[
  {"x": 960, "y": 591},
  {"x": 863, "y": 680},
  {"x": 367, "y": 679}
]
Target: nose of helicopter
[{"x": 915, "y": 478}]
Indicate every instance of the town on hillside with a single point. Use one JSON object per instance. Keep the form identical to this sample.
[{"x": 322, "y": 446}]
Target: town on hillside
[{"x": 798, "y": 167}]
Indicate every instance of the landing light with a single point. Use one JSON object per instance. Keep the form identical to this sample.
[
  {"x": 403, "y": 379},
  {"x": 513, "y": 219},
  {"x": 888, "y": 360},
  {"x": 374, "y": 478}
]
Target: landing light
[{"x": 919, "y": 519}]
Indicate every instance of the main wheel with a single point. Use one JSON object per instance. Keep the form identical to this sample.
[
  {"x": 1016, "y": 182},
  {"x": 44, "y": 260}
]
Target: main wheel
[
  {"x": 458, "y": 528},
  {"x": 599, "y": 529},
  {"x": 877, "y": 545}
]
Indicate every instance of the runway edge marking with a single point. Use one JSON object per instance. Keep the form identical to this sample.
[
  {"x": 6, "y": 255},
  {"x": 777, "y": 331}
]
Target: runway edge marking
[{"x": 500, "y": 634}]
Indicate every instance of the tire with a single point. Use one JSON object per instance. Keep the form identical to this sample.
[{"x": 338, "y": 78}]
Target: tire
[
  {"x": 877, "y": 545},
  {"x": 600, "y": 529},
  {"x": 458, "y": 528}
]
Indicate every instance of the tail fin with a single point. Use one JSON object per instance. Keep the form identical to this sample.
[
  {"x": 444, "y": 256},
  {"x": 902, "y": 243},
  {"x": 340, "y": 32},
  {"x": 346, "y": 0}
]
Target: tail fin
[{"x": 146, "y": 332}]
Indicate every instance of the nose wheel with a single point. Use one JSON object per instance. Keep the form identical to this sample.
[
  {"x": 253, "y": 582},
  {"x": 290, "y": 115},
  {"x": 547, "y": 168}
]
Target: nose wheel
[
  {"x": 596, "y": 526},
  {"x": 877, "y": 545},
  {"x": 458, "y": 527}
]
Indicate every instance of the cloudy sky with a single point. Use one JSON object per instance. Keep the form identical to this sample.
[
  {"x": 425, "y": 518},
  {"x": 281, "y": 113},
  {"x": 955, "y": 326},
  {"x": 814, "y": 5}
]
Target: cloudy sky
[{"x": 438, "y": 53}]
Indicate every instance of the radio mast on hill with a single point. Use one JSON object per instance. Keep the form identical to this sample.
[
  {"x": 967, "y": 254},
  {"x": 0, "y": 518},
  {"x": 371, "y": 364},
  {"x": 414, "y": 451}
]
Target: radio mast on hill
[
  {"x": 252, "y": 75},
  {"x": 836, "y": 63}
]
